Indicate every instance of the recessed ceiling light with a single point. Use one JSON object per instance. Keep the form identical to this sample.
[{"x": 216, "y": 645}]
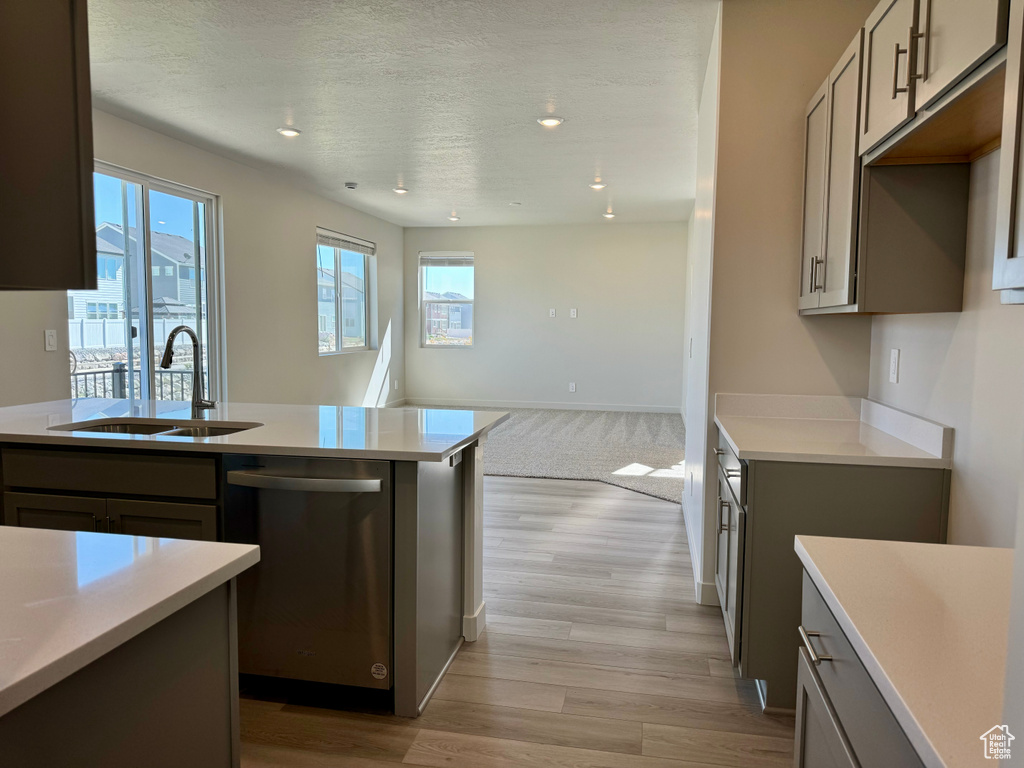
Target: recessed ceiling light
[
  {"x": 597, "y": 184},
  {"x": 551, "y": 121},
  {"x": 608, "y": 215},
  {"x": 400, "y": 191},
  {"x": 288, "y": 131},
  {"x": 453, "y": 218},
  {"x": 515, "y": 202}
]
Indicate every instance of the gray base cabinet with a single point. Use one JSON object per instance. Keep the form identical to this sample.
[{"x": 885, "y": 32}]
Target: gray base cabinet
[
  {"x": 93, "y": 491},
  {"x": 771, "y": 502},
  {"x": 841, "y": 719}
]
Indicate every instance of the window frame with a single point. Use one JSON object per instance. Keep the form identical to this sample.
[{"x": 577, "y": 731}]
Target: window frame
[
  {"x": 368, "y": 302},
  {"x": 422, "y": 284}
]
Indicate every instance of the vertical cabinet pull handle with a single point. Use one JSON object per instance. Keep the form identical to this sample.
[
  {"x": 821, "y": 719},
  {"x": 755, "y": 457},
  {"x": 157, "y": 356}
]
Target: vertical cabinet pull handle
[
  {"x": 806, "y": 636},
  {"x": 896, "y": 90},
  {"x": 722, "y": 505},
  {"x": 95, "y": 523},
  {"x": 912, "y": 38},
  {"x": 927, "y": 35}
]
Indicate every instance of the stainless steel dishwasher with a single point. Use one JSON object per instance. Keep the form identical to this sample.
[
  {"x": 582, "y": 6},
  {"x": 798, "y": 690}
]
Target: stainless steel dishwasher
[{"x": 318, "y": 605}]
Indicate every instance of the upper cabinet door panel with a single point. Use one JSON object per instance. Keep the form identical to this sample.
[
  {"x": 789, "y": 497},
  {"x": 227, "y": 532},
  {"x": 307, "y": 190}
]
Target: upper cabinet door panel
[
  {"x": 843, "y": 188},
  {"x": 957, "y": 36},
  {"x": 46, "y": 156},
  {"x": 1008, "y": 266},
  {"x": 888, "y": 83},
  {"x": 815, "y": 159}
]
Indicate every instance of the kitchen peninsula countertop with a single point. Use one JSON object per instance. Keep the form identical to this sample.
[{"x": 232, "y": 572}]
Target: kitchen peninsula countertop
[
  {"x": 71, "y": 597},
  {"x": 396, "y": 434},
  {"x": 929, "y": 622},
  {"x": 830, "y": 430}
]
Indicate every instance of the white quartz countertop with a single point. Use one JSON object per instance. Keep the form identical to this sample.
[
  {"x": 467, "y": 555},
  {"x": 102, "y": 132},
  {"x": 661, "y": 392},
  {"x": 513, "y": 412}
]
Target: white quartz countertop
[
  {"x": 830, "y": 430},
  {"x": 929, "y": 622},
  {"x": 67, "y": 598},
  {"x": 398, "y": 434}
]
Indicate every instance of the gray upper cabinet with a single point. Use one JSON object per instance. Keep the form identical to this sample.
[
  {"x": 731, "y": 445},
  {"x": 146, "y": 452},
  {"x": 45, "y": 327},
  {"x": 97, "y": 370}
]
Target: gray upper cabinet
[
  {"x": 889, "y": 47},
  {"x": 842, "y": 189},
  {"x": 956, "y": 36},
  {"x": 46, "y": 153},
  {"x": 831, "y": 186},
  {"x": 1008, "y": 268},
  {"x": 815, "y": 152}
]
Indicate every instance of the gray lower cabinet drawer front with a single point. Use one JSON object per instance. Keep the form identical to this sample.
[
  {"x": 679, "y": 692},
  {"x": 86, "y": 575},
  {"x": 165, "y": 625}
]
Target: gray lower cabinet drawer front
[
  {"x": 870, "y": 726},
  {"x": 141, "y": 474},
  {"x": 735, "y": 470},
  {"x": 161, "y": 519}
]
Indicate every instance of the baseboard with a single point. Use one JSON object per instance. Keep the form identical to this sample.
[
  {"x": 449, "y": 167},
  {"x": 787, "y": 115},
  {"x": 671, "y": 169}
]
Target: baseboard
[
  {"x": 568, "y": 406},
  {"x": 473, "y": 626},
  {"x": 706, "y": 592}
]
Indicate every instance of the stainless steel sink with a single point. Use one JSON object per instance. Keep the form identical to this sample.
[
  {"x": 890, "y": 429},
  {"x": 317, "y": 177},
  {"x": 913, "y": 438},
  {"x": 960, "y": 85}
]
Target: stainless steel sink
[
  {"x": 204, "y": 431},
  {"x": 159, "y": 427}
]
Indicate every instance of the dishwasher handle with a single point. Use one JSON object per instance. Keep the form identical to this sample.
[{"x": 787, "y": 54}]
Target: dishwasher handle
[{"x": 309, "y": 484}]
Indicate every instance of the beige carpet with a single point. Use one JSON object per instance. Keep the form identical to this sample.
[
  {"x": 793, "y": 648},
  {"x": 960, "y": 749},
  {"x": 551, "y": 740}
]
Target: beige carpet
[{"x": 639, "y": 451}]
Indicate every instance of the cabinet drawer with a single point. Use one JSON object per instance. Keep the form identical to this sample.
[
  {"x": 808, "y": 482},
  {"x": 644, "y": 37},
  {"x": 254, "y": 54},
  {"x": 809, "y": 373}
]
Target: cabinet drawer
[
  {"x": 60, "y": 513},
  {"x": 116, "y": 473},
  {"x": 870, "y": 726},
  {"x": 161, "y": 519},
  {"x": 735, "y": 471}
]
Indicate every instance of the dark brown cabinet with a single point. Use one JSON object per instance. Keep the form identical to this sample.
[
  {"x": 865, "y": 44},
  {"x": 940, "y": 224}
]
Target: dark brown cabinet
[
  {"x": 61, "y": 513},
  {"x": 46, "y": 154}
]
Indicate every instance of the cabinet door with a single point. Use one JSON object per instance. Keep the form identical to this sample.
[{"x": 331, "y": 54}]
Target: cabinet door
[
  {"x": 842, "y": 191},
  {"x": 815, "y": 154},
  {"x": 61, "y": 513},
  {"x": 1008, "y": 267},
  {"x": 957, "y": 36},
  {"x": 888, "y": 86},
  {"x": 819, "y": 741},
  {"x": 46, "y": 154},
  {"x": 722, "y": 547},
  {"x": 736, "y": 533},
  {"x": 162, "y": 519}
]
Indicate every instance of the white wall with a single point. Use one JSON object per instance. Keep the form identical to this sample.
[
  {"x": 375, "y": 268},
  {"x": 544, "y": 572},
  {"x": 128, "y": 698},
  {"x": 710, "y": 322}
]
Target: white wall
[
  {"x": 624, "y": 350},
  {"x": 29, "y": 374},
  {"x": 774, "y": 55},
  {"x": 269, "y": 245},
  {"x": 698, "y": 318},
  {"x": 966, "y": 370}
]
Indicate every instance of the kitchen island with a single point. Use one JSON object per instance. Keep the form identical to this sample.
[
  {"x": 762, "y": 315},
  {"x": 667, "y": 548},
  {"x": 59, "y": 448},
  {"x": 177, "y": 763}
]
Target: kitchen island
[
  {"x": 114, "y": 647},
  {"x": 400, "y": 487}
]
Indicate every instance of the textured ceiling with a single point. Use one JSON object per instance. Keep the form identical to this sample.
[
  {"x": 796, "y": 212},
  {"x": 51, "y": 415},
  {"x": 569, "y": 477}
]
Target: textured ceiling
[{"x": 440, "y": 95}]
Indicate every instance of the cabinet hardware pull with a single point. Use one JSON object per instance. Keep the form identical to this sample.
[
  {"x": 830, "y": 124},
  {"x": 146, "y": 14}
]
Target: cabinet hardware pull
[
  {"x": 305, "y": 484},
  {"x": 818, "y": 264},
  {"x": 927, "y": 55},
  {"x": 95, "y": 523},
  {"x": 912, "y": 39},
  {"x": 896, "y": 68},
  {"x": 806, "y": 636},
  {"x": 730, "y": 473},
  {"x": 723, "y": 504},
  {"x": 719, "y": 452}
]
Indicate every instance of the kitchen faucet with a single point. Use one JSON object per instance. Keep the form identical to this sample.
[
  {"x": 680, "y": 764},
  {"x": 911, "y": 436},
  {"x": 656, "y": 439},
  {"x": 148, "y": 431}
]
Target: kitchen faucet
[{"x": 199, "y": 403}]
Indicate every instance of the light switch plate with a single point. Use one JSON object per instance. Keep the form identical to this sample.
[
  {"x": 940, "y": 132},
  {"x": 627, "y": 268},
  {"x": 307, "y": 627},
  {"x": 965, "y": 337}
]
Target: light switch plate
[
  {"x": 551, "y": 313},
  {"x": 50, "y": 340},
  {"x": 572, "y": 386},
  {"x": 572, "y": 313},
  {"x": 894, "y": 366}
]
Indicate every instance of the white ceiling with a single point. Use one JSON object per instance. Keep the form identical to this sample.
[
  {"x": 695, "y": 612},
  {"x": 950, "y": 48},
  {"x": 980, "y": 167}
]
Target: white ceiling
[{"x": 441, "y": 95}]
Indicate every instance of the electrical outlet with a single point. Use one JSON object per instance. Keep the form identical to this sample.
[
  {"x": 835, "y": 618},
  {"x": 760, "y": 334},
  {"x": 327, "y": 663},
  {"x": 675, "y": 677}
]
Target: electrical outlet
[
  {"x": 396, "y": 385},
  {"x": 551, "y": 313},
  {"x": 50, "y": 340},
  {"x": 894, "y": 366},
  {"x": 572, "y": 386},
  {"x": 572, "y": 313}
]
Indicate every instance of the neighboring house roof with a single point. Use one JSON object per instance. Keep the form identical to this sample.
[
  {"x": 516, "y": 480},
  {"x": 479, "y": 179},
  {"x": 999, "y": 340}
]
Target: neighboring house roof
[
  {"x": 446, "y": 296},
  {"x": 110, "y": 240},
  {"x": 326, "y": 277}
]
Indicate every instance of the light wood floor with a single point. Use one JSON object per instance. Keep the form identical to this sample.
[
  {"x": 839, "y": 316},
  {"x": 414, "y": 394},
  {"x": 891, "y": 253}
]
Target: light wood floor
[{"x": 595, "y": 656}]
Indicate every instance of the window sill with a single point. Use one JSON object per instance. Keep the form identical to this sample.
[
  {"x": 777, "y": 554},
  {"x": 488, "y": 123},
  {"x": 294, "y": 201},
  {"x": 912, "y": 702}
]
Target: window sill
[
  {"x": 446, "y": 346},
  {"x": 347, "y": 351}
]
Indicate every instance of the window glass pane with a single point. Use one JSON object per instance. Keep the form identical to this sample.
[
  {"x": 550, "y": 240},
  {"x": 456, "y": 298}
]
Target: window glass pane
[
  {"x": 353, "y": 299},
  {"x": 450, "y": 283},
  {"x": 448, "y": 324},
  {"x": 326, "y": 307}
]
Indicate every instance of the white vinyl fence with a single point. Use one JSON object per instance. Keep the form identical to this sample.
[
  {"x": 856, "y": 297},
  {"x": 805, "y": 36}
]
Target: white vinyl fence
[{"x": 100, "y": 334}]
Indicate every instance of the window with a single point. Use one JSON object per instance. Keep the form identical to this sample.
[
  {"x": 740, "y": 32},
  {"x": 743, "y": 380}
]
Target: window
[
  {"x": 117, "y": 332},
  {"x": 343, "y": 268},
  {"x": 446, "y": 299}
]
